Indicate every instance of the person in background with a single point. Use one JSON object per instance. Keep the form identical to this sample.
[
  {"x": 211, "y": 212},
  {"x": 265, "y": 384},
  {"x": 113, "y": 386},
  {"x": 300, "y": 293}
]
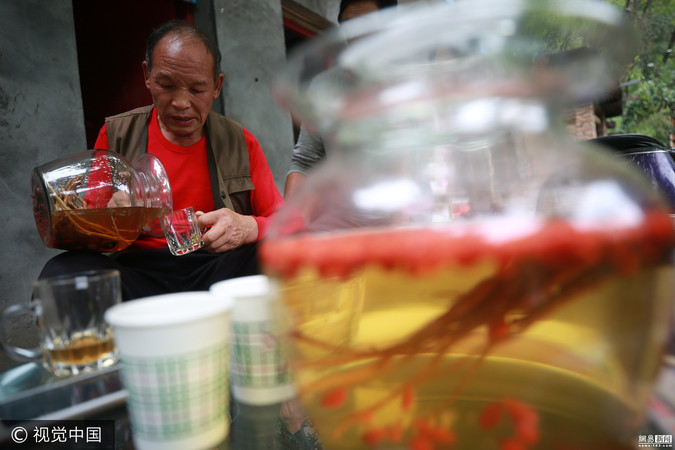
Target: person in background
[
  {"x": 309, "y": 148},
  {"x": 295, "y": 425},
  {"x": 213, "y": 164}
]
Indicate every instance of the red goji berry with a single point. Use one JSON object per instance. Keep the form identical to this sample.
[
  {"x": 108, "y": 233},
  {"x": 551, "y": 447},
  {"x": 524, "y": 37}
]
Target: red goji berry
[
  {"x": 521, "y": 412},
  {"x": 527, "y": 432},
  {"x": 366, "y": 417},
  {"x": 395, "y": 433},
  {"x": 525, "y": 421},
  {"x": 335, "y": 398},
  {"x": 491, "y": 415},
  {"x": 421, "y": 442},
  {"x": 374, "y": 436},
  {"x": 442, "y": 435},
  {"x": 423, "y": 426},
  {"x": 511, "y": 444}
]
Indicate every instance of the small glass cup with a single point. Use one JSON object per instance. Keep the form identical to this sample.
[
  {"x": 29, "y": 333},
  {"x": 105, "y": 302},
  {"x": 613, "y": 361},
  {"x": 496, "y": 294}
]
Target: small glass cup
[
  {"x": 182, "y": 231},
  {"x": 74, "y": 337}
]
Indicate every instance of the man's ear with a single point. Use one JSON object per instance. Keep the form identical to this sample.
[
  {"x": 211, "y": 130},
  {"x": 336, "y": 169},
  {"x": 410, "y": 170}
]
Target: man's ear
[
  {"x": 219, "y": 85},
  {"x": 144, "y": 65}
]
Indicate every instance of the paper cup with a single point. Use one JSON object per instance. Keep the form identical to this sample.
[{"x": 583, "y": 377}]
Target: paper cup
[
  {"x": 258, "y": 360},
  {"x": 174, "y": 365}
]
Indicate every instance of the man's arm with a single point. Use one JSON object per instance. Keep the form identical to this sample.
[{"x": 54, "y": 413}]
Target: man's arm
[
  {"x": 229, "y": 229},
  {"x": 265, "y": 198},
  {"x": 293, "y": 182},
  {"x": 307, "y": 152}
]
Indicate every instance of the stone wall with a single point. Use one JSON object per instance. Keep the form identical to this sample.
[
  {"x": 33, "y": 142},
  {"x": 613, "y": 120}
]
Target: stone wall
[
  {"x": 41, "y": 119},
  {"x": 249, "y": 66}
]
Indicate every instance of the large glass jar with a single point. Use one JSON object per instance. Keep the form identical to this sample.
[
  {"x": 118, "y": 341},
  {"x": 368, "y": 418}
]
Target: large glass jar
[
  {"x": 459, "y": 271},
  {"x": 99, "y": 201}
]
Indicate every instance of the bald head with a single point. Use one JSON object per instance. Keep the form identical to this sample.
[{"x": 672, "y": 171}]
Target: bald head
[{"x": 181, "y": 31}]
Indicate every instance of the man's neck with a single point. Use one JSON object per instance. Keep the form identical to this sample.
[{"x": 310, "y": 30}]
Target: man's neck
[{"x": 183, "y": 141}]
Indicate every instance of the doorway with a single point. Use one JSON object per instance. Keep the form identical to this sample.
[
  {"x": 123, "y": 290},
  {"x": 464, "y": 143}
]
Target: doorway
[{"x": 110, "y": 38}]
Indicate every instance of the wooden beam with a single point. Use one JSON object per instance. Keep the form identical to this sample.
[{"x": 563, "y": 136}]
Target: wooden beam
[{"x": 302, "y": 20}]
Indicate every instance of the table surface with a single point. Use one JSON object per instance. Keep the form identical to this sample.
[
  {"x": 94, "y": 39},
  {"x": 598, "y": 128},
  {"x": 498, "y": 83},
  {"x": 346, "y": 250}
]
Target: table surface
[{"x": 28, "y": 392}]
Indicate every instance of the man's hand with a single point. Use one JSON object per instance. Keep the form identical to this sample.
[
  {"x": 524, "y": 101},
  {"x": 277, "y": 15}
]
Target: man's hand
[
  {"x": 119, "y": 199},
  {"x": 228, "y": 230},
  {"x": 292, "y": 415}
]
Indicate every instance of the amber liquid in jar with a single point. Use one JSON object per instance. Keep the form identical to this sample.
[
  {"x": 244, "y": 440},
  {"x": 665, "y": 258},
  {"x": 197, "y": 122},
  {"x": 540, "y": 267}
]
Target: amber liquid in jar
[
  {"x": 441, "y": 338},
  {"x": 99, "y": 229}
]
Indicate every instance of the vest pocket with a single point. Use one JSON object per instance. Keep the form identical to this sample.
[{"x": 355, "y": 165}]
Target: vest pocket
[{"x": 239, "y": 192}]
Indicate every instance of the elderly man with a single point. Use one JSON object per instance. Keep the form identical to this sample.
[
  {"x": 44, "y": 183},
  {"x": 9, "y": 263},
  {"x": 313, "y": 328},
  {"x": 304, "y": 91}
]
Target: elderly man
[{"x": 213, "y": 164}]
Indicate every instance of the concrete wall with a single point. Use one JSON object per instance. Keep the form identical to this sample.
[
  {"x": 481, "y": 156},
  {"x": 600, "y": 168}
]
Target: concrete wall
[
  {"x": 41, "y": 119},
  {"x": 249, "y": 66},
  {"x": 250, "y": 36},
  {"x": 41, "y": 116},
  {"x": 325, "y": 8}
]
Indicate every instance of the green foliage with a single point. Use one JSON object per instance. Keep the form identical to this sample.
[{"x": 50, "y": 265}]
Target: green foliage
[{"x": 650, "y": 104}]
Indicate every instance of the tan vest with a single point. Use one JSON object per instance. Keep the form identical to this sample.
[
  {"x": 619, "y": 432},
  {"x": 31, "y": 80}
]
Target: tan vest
[{"x": 227, "y": 153}]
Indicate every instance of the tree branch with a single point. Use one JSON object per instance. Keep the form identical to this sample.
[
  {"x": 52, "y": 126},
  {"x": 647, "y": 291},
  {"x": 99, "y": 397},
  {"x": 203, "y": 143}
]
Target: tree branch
[
  {"x": 670, "y": 47},
  {"x": 648, "y": 3}
]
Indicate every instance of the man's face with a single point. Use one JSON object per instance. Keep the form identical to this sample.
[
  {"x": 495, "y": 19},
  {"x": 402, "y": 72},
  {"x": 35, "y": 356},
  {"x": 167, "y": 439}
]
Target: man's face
[{"x": 182, "y": 87}]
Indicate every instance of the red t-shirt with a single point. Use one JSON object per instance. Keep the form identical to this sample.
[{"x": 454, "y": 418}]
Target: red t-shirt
[{"x": 188, "y": 174}]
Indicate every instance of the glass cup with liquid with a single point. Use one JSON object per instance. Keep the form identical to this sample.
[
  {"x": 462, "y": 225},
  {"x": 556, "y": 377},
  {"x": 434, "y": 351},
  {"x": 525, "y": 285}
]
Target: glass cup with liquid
[{"x": 73, "y": 336}]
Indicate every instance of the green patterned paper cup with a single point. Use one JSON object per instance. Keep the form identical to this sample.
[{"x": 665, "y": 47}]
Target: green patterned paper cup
[
  {"x": 258, "y": 359},
  {"x": 174, "y": 360}
]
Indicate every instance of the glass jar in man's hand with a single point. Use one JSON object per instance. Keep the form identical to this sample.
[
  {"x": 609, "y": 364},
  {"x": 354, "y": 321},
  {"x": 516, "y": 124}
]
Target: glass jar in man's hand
[
  {"x": 98, "y": 201},
  {"x": 458, "y": 270}
]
